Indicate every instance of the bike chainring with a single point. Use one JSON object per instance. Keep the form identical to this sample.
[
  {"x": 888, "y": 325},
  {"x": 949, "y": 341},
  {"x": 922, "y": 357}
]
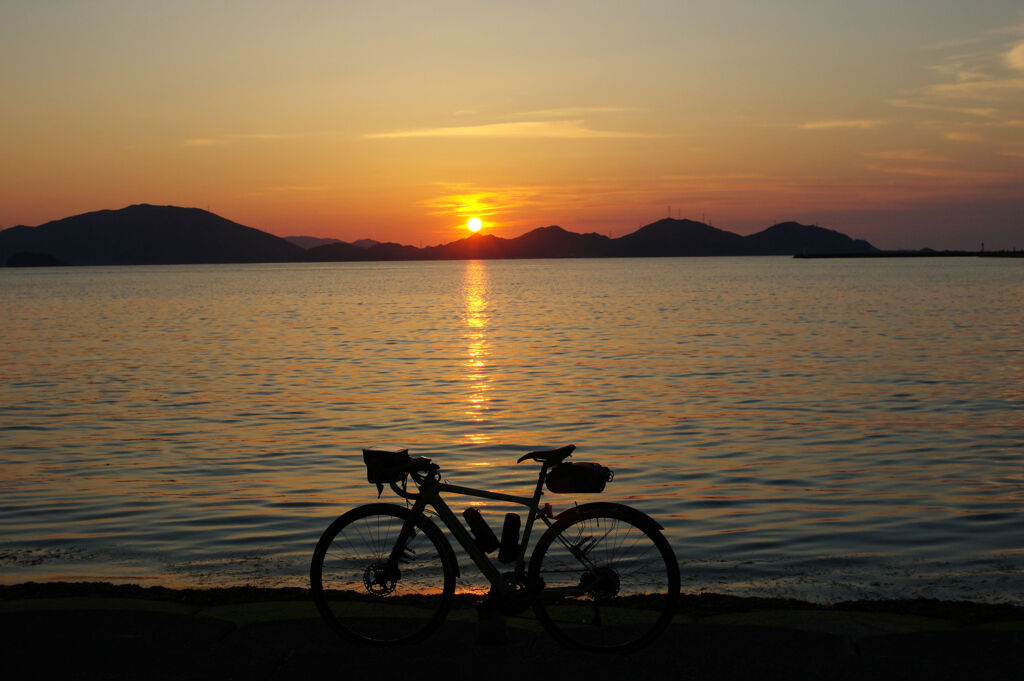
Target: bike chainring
[{"x": 517, "y": 603}]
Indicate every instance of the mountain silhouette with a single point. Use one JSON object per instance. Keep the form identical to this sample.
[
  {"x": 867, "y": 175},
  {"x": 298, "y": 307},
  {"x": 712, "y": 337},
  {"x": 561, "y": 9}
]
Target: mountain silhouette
[
  {"x": 144, "y": 234},
  {"x": 147, "y": 235},
  {"x": 792, "y": 238},
  {"x": 559, "y": 243},
  {"x": 308, "y": 242},
  {"x": 365, "y": 243},
  {"x": 670, "y": 237},
  {"x": 339, "y": 250}
]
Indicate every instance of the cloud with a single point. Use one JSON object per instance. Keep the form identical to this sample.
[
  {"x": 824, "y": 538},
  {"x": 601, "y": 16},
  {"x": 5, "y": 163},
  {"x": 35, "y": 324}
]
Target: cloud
[
  {"x": 465, "y": 200},
  {"x": 1015, "y": 57},
  {"x": 979, "y": 111},
  {"x": 299, "y": 188},
  {"x": 989, "y": 90},
  {"x": 920, "y": 155},
  {"x": 264, "y": 136},
  {"x": 1014, "y": 153},
  {"x": 843, "y": 124},
  {"x": 962, "y": 136},
  {"x": 984, "y": 82},
  {"x": 575, "y": 111},
  {"x": 960, "y": 71},
  {"x": 231, "y": 139},
  {"x": 968, "y": 176},
  {"x": 204, "y": 142},
  {"x": 566, "y": 129}
]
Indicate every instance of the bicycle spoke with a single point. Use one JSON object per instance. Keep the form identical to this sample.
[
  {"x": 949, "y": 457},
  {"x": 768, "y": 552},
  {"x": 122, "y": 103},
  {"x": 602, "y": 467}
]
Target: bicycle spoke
[
  {"x": 370, "y": 599},
  {"x": 612, "y": 582}
]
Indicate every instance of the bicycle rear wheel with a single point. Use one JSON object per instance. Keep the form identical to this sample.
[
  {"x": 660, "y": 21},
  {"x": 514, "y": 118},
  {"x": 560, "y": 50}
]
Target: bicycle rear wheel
[
  {"x": 369, "y": 601},
  {"x": 607, "y": 578}
]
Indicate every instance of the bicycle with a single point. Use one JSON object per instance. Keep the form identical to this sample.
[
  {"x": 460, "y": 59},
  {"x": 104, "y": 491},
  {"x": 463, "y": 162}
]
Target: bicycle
[{"x": 601, "y": 577}]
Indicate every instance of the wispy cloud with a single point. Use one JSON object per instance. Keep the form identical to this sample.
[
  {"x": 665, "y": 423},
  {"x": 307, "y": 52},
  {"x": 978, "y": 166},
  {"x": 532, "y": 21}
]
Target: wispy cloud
[
  {"x": 234, "y": 138},
  {"x": 264, "y": 136},
  {"x": 1015, "y": 57},
  {"x": 978, "y": 111},
  {"x": 954, "y": 136},
  {"x": 919, "y": 155},
  {"x": 859, "y": 124},
  {"x": 987, "y": 74},
  {"x": 204, "y": 142},
  {"x": 958, "y": 175},
  {"x": 298, "y": 188},
  {"x": 979, "y": 93},
  {"x": 575, "y": 111},
  {"x": 470, "y": 201},
  {"x": 986, "y": 90},
  {"x": 960, "y": 71},
  {"x": 562, "y": 129}
]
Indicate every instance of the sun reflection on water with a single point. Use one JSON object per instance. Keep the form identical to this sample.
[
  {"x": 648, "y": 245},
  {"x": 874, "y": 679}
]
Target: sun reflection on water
[{"x": 475, "y": 291}]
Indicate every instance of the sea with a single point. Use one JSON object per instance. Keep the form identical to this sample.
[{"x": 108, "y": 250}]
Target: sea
[{"x": 818, "y": 429}]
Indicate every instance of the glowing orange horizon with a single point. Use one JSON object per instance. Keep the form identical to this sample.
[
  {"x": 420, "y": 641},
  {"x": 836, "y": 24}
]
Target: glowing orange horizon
[{"x": 924, "y": 150}]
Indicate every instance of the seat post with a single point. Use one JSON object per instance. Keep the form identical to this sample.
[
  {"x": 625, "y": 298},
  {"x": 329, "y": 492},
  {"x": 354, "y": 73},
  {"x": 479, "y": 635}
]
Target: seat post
[{"x": 540, "y": 482}]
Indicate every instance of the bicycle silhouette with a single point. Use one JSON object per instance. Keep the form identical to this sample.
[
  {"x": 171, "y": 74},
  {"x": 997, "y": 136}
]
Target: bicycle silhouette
[{"x": 601, "y": 577}]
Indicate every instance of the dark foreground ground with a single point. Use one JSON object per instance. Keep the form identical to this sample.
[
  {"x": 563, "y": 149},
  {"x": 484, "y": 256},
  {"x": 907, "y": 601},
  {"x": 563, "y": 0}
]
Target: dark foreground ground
[{"x": 101, "y": 631}]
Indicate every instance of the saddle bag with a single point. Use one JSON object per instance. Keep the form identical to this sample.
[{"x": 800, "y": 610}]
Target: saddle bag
[
  {"x": 578, "y": 477},
  {"x": 384, "y": 464}
]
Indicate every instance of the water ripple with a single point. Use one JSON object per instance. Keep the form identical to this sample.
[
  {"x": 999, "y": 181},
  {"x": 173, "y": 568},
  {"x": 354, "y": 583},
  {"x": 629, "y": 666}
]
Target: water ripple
[{"x": 817, "y": 429}]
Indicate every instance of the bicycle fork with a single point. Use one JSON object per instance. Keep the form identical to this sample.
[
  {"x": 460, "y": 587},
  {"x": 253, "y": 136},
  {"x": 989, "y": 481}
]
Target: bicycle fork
[{"x": 401, "y": 552}]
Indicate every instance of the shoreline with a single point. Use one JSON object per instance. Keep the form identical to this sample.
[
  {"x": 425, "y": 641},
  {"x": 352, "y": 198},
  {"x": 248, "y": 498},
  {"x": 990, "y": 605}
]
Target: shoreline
[
  {"x": 696, "y": 606},
  {"x": 693, "y": 607},
  {"x": 96, "y": 630}
]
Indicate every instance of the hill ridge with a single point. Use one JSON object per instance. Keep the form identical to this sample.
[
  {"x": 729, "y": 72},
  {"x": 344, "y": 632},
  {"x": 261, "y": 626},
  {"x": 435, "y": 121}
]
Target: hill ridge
[{"x": 151, "y": 234}]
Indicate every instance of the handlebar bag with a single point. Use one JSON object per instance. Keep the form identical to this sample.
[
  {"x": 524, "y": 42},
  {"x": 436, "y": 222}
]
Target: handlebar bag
[
  {"x": 385, "y": 464},
  {"x": 578, "y": 477}
]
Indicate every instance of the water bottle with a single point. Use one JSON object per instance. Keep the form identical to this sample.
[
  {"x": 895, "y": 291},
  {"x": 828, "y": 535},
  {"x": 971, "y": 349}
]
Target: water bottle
[
  {"x": 483, "y": 535},
  {"x": 509, "y": 539}
]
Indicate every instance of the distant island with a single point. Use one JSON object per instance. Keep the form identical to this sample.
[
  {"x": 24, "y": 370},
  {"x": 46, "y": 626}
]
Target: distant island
[{"x": 144, "y": 234}]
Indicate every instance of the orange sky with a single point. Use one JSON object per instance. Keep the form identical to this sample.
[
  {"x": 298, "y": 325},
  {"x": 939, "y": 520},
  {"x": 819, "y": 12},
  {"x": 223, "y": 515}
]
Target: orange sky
[{"x": 398, "y": 121}]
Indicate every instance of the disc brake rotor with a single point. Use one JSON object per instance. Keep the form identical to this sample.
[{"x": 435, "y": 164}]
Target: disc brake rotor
[{"x": 380, "y": 580}]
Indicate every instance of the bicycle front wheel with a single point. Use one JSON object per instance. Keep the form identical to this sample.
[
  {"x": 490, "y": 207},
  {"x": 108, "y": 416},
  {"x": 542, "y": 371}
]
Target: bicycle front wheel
[
  {"x": 607, "y": 579},
  {"x": 369, "y": 598}
]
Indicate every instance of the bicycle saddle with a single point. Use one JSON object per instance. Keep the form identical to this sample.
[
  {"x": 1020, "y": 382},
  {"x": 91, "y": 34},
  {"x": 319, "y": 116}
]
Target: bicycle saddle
[{"x": 551, "y": 456}]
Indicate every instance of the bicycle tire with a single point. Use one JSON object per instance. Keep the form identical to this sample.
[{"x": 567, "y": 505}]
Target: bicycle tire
[
  {"x": 365, "y": 603},
  {"x": 628, "y": 575}
]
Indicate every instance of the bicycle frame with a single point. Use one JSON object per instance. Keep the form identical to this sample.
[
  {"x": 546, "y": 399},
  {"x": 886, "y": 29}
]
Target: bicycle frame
[
  {"x": 429, "y": 494},
  {"x": 582, "y": 562}
]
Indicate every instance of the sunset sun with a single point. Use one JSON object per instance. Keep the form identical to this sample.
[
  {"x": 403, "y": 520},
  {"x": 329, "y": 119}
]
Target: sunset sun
[{"x": 474, "y": 224}]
